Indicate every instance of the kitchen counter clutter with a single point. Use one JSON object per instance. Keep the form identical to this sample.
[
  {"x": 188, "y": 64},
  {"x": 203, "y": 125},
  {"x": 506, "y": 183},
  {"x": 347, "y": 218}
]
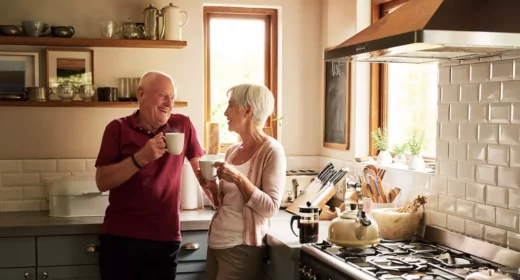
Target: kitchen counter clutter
[{"x": 40, "y": 224}]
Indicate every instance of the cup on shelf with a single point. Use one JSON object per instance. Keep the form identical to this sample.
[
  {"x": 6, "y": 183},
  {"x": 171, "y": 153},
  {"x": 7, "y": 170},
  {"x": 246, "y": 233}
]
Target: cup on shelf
[
  {"x": 86, "y": 92},
  {"x": 124, "y": 89},
  {"x": 109, "y": 29},
  {"x": 107, "y": 94}
]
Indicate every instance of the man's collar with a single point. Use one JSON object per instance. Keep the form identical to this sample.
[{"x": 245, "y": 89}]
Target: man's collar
[{"x": 134, "y": 124}]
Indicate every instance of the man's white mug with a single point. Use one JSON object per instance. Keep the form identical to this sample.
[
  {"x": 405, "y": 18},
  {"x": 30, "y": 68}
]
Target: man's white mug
[
  {"x": 207, "y": 169},
  {"x": 174, "y": 142}
]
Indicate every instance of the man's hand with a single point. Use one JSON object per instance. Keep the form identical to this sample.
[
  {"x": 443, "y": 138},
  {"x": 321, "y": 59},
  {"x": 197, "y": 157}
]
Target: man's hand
[{"x": 154, "y": 149}]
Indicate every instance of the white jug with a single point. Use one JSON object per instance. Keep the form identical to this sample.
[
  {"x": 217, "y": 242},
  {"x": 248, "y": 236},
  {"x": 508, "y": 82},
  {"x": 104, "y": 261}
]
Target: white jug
[{"x": 172, "y": 22}]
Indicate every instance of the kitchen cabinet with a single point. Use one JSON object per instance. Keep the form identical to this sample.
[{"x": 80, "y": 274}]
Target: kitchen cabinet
[
  {"x": 83, "y": 272},
  {"x": 74, "y": 257},
  {"x": 281, "y": 266},
  {"x": 28, "y": 273},
  {"x": 17, "y": 252}
]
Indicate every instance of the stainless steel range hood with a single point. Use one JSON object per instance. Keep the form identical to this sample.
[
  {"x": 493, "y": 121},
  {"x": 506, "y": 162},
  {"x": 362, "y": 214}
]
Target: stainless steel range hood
[{"x": 423, "y": 31}]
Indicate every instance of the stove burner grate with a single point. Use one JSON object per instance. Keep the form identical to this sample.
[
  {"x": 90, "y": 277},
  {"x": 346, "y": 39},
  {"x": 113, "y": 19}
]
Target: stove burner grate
[
  {"x": 401, "y": 265},
  {"x": 357, "y": 252}
]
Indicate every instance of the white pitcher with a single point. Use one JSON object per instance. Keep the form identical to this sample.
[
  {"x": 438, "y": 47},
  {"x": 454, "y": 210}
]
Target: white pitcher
[{"x": 173, "y": 23}]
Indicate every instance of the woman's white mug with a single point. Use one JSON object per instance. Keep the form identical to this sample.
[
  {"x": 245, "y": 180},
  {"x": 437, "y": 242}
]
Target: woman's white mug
[
  {"x": 207, "y": 169},
  {"x": 174, "y": 142}
]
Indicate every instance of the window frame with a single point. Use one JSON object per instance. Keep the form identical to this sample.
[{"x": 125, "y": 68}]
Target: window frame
[
  {"x": 379, "y": 77},
  {"x": 270, "y": 17}
]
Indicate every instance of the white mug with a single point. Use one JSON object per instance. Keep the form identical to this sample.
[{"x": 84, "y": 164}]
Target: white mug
[
  {"x": 207, "y": 169},
  {"x": 174, "y": 142}
]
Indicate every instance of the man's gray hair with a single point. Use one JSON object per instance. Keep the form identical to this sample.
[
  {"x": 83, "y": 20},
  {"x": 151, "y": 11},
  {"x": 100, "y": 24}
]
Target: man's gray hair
[
  {"x": 259, "y": 97},
  {"x": 150, "y": 76}
]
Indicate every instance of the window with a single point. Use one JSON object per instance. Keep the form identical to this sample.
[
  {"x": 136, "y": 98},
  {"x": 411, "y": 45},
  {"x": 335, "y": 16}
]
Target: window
[
  {"x": 240, "y": 46},
  {"x": 404, "y": 96}
]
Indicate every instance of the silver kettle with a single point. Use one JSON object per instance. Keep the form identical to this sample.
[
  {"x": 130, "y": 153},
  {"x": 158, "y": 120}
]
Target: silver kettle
[{"x": 151, "y": 23}]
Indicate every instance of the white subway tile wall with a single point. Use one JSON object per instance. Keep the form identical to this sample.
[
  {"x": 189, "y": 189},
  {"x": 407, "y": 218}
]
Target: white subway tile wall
[
  {"x": 477, "y": 188},
  {"x": 22, "y": 182}
]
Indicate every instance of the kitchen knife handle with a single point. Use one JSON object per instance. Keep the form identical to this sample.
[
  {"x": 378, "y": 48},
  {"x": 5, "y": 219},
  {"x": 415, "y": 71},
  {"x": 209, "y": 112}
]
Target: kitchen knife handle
[
  {"x": 330, "y": 176},
  {"x": 325, "y": 175},
  {"x": 327, "y": 168},
  {"x": 340, "y": 175}
]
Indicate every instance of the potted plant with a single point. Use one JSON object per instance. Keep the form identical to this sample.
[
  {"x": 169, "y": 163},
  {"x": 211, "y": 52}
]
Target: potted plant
[
  {"x": 380, "y": 137},
  {"x": 399, "y": 151},
  {"x": 415, "y": 145}
]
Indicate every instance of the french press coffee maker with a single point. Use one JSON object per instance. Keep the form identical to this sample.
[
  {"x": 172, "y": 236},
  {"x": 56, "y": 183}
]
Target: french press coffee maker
[{"x": 308, "y": 223}]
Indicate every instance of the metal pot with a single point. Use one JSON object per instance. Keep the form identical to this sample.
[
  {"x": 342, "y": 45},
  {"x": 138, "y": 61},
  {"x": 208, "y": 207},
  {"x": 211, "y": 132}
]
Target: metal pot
[{"x": 36, "y": 93}]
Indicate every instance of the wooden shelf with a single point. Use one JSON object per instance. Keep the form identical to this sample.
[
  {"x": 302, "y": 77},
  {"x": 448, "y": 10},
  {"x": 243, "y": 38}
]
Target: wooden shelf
[
  {"x": 59, "y": 103},
  {"x": 90, "y": 42}
]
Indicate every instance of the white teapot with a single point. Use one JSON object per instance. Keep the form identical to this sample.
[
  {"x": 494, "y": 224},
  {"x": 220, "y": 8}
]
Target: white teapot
[{"x": 173, "y": 23}]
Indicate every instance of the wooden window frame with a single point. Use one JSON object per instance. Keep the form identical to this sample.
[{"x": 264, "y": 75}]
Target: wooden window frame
[
  {"x": 270, "y": 16},
  {"x": 379, "y": 77}
]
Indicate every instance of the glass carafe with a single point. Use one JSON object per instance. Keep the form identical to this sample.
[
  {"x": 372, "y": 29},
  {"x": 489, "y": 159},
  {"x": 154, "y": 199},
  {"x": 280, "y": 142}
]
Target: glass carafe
[
  {"x": 66, "y": 92},
  {"x": 132, "y": 31},
  {"x": 308, "y": 223}
]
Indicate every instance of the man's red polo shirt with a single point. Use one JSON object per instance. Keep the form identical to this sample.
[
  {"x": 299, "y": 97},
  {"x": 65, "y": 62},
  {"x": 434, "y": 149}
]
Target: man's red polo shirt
[{"x": 146, "y": 206}]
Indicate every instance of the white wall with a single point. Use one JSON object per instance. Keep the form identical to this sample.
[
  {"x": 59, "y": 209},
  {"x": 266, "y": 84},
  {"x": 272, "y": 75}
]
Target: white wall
[{"x": 76, "y": 132}]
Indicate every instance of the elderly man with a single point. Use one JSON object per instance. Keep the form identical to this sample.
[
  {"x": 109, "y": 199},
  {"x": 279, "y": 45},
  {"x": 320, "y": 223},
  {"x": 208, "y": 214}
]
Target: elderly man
[{"x": 141, "y": 232}]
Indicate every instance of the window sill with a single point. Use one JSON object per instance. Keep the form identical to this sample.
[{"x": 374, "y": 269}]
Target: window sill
[{"x": 401, "y": 166}]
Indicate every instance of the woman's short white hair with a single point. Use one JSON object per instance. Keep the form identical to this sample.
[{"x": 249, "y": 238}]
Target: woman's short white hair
[{"x": 259, "y": 97}]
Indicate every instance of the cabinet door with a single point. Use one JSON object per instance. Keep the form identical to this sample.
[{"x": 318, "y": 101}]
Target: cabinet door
[
  {"x": 17, "y": 252},
  {"x": 191, "y": 276},
  {"x": 67, "y": 250},
  {"x": 18, "y": 274},
  {"x": 193, "y": 246},
  {"x": 78, "y": 272}
]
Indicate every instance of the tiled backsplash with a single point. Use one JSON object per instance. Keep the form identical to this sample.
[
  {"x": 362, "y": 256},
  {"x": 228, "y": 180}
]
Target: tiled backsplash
[
  {"x": 477, "y": 186},
  {"x": 22, "y": 185}
]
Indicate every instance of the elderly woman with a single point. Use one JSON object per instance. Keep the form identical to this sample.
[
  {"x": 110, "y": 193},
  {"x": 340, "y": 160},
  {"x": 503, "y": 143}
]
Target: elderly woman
[{"x": 249, "y": 190}]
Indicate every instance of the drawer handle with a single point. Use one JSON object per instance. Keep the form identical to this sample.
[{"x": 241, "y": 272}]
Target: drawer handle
[
  {"x": 44, "y": 275},
  {"x": 27, "y": 276},
  {"x": 191, "y": 246},
  {"x": 92, "y": 248}
]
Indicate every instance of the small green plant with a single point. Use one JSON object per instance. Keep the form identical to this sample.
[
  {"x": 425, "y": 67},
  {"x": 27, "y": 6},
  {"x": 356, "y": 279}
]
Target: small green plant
[
  {"x": 380, "y": 137},
  {"x": 399, "y": 150},
  {"x": 274, "y": 118},
  {"x": 415, "y": 143}
]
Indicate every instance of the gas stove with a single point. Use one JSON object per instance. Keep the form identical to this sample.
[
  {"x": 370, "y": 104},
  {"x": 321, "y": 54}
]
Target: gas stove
[{"x": 420, "y": 259}]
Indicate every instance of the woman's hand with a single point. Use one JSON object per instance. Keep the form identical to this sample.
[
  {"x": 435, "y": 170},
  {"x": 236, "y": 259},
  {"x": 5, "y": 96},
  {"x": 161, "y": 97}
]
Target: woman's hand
[
  {"x": 227, "y": 172},
  {"x": 205, "y": 184}
]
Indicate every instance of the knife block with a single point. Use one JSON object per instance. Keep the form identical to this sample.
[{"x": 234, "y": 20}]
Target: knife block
[{"x": 310, "y": 192}]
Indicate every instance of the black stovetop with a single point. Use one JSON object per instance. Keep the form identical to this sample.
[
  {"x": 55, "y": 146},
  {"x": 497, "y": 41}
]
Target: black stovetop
[{"x": 409, "y": 259}]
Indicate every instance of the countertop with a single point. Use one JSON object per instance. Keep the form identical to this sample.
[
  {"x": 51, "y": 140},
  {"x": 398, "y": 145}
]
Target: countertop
[
  {"x": 39, "y": 223},
  {"x": 279, "y": 237}
]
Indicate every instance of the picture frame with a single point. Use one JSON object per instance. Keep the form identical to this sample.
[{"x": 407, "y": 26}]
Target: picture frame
[
  {"x": 336, "y": 100},
  {"x": 73, "y": 66},
  {"x": 18, "y": 70}
]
